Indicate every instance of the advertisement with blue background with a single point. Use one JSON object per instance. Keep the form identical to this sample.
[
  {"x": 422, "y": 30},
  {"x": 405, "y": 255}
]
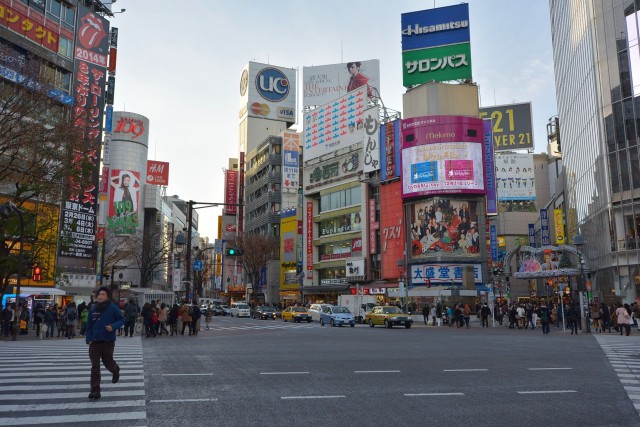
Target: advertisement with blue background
[{"x": 435, "y": 27}]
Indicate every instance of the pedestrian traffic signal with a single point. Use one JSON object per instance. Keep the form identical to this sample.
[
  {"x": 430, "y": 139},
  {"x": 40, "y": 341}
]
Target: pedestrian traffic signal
[
  {"x": 233, "y": 252},
  {"x": 37, "y": 274}
]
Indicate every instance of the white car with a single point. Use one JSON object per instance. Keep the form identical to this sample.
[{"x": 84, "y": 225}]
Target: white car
[
  {"x": 315, "y": 310},
  {"x": 240, "y": 309}
]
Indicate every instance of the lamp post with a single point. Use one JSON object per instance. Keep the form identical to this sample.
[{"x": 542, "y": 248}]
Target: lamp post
[
  {"x": 5, "y": 212},
  {"x": 180, "y": 242},
  {"x": 578, "y": 242}
]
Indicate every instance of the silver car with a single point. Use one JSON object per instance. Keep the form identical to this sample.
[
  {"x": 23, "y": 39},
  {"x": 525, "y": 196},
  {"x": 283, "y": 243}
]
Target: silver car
[
  {"x": 337, "y": 315},
  {"x": 315, "y": 310}
]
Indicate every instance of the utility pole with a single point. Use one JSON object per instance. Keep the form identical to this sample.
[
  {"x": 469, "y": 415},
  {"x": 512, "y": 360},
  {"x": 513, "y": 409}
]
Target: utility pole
[{"x": 189, "y": 226}]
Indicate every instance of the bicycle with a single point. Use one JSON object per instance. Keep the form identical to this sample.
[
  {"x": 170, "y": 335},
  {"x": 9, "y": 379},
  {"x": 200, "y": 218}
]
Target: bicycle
[{"x": 139, "y": 326}]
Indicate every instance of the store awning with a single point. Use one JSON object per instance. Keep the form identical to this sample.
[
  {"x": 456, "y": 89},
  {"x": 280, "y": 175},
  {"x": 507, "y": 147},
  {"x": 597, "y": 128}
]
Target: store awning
[{"x": 29, "y": 290}]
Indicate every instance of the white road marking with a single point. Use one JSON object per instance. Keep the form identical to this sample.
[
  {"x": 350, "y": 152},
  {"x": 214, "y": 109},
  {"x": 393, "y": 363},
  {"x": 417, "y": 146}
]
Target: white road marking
[
  {"x": 376, "y": 372},
  {"x": 55, "y": 419},
  {"x": 187, "y": 375},
  {"x": 283, "y": 373},
  {"x": 547, "y": 392},
  {"x": 465, "y": 370},
  {"x": 83, "y": 395},
  {"x": 312, "y": 397},
  {"x": 432, "y": 394},
  {"x": 62, "y": 406},
  {"x": 65, "y": 386},
  {"x": 85, "y": 377},
  {"x": 182, "y": 400},
  {"x": 548, "y": 369}
]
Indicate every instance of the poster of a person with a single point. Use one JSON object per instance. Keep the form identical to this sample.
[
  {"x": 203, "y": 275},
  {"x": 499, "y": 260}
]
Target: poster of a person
[
  {"x": 126, "y": 185},
  {"x": 357, "y": 79}
]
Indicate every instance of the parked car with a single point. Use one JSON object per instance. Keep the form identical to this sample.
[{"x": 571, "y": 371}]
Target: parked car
[
  {"x": 296, "y": 315},
  {"x": 337, "y": 315},
  {"x": 388, "y": 316},
  {"x": 263, "y": 312},
  {"x": 240, "y": 309},
  {"x": 226, "y": 310},
  {"x": 315, "y": 310}
]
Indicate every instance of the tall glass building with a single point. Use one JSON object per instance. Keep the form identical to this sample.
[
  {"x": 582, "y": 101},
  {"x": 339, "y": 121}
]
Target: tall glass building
[{"x": 597, "y": 73}]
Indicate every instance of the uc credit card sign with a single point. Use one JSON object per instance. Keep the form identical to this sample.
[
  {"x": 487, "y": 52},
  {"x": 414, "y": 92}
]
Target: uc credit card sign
[{"x": 442, "y": 155}]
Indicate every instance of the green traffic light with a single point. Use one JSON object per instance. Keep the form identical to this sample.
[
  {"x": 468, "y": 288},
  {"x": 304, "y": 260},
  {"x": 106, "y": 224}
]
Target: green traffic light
[{"x": 232, "y": 251}]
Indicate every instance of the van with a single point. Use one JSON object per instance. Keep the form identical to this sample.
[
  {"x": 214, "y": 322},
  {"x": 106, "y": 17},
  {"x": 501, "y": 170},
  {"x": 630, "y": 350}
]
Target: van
[{"x": 240, "y": 309}]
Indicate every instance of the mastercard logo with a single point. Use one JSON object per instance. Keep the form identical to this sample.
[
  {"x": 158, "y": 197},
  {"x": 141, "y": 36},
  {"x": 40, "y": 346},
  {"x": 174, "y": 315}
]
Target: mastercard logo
[{"x": 260, "y": 109}]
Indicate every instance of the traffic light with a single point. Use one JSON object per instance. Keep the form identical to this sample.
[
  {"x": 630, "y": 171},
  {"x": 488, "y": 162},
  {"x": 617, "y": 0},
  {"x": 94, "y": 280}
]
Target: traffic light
[
  {"x": 233, "y": 252},
  {"x": 37, "y": 274}
]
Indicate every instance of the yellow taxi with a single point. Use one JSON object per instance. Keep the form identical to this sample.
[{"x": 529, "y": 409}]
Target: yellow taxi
[
  {"x": 388, "y": 316},
  {"x": 296, "y": 315}
]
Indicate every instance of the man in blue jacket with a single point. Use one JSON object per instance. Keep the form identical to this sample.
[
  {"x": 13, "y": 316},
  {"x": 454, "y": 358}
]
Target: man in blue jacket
[{"x": 104, "y": 320}]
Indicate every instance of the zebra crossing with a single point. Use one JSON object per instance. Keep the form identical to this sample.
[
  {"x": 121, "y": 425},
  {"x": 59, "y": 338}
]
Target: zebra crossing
[
  {"x": 264, "y": 324},
  {"x": 47, "y": 383},
  {"x": 624, "y": 355}
]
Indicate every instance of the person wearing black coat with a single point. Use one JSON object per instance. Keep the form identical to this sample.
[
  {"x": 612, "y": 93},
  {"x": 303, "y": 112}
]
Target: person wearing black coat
[
  {"x": 147, "y": 316},
  {"x": 605, "y": 318},
  {"x": 172, "y": 319},
  {"x": 573, "y": 315},
  {"x": 425, "y": 313}
]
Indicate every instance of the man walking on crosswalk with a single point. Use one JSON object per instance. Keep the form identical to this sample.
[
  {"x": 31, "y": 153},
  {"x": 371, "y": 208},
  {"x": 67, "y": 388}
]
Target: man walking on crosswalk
[{"x": 104, "y": 320}]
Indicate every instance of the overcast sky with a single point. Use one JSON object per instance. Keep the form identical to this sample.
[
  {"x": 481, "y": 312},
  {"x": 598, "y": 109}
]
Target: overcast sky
[{"x": 179, "y": 64}]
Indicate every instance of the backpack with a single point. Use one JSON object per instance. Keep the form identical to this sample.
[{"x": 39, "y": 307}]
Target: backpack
[
  {"x": 154, "y": 318},
  {"x": 72, "y": 315}
]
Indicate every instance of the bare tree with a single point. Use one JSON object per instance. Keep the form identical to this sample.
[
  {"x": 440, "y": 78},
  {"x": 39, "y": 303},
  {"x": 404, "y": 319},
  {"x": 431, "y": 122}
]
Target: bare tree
[
  {"x": 41, "y": 160},
  {"x": 257, "y": 250},
  {"x": 150, "y": 250}
]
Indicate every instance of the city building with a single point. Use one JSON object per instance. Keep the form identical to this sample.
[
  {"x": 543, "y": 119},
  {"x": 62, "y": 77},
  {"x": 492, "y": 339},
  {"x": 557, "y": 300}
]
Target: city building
[
  {"x": 597, "y": 72},
  {"x": 44, "y": 41}
]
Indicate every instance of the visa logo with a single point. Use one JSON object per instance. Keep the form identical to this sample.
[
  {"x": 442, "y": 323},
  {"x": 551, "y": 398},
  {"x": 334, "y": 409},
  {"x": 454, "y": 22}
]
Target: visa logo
[{"x": 285, "y": 112}]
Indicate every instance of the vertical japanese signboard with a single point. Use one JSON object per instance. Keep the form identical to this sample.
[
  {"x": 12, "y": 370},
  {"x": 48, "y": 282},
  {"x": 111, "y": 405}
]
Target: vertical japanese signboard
[
  {"x": 493, "y": 238},
  {"x": 290, "y": 162},
  {"x": 90, "y": 66},
  {"x": 490, "y": 170},
  {"x": 309, "y": 240},
  {"x": 544, "y": 226},
  {"x": 558, "y": 223},
  {"x": 373, "y": 226},
  {"x": 532, "y": 235}
]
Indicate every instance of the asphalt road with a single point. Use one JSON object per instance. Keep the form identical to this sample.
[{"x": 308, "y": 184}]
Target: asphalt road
[{"x": 259, "y": 372}]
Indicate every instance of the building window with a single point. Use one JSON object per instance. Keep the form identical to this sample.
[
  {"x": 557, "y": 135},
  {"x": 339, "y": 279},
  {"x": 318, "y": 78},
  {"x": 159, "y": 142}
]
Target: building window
[
  {"x": 54, "y": 8},
  {"x": 276, "y": 149},
  {"x": 340, "y": 224},
  {"x": 340, "y": 199},
  {"x": 65, "y": 47}
]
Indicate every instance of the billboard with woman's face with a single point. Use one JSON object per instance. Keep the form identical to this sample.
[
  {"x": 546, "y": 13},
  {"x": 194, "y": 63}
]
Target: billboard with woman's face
[
  {"x": 446, "y": 227},
  {"x": 124, "y": 201}
]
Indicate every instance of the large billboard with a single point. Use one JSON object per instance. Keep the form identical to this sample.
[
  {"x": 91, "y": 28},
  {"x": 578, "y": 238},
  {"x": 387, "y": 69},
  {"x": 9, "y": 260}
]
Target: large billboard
[
  {"x": 391, "y": 229},
  {"x": 125, "y": 201},
  {"x": 436, "y": 45},
  {"x": 441, "y": 64},
  {"x": 515, "y": 177},
  {"x": 338, "y": 124},
  {"x": 443, "y": 226},
  {"x": 442, "y": 155},
  {"x": 90, "y": 61},
  {"x": 288, "y": 257},
  {"x": 290, "y": 162},
  {"x": 268, "y": 92},
  {"x": 324, "y": 83},
  {"x": 512, "y": 126},
  {"x": 440, "y": 274}
]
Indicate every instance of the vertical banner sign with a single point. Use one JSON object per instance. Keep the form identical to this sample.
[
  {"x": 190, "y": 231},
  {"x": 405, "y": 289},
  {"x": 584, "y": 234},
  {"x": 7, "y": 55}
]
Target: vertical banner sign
[
  {"x": 290, "y": 162},
  {"x": 373, "y": 226},
  {"x": 108, "y": 124},
  {"x": 372, "y": 140},
  {"x": 532, "y": 235},
  {"x": 90, "y": 66},
  {"x": 544, "y": 226},
  {"x": 309, "y": 240},
  {"x": 389, "y": 149},
  {"x": 490, "y": 169},
  {"x": 493, "y": 238},
  {"x": 299, "y": 246},
  {"x": 240, "y": 195},
  {"x": 231, "y": 191},
  {"x": 558, "y": 223}
]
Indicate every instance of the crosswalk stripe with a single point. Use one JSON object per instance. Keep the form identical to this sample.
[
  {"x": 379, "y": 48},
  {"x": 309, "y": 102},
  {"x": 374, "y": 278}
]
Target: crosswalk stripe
[
  {"x": 622, "y": 353},
  {"x": 105, "y": 416},
  {"x": 53, "y": 379}
]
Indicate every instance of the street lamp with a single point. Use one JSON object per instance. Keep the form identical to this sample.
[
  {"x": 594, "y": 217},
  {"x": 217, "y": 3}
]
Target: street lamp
[{"x": 5, "y": 212}]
